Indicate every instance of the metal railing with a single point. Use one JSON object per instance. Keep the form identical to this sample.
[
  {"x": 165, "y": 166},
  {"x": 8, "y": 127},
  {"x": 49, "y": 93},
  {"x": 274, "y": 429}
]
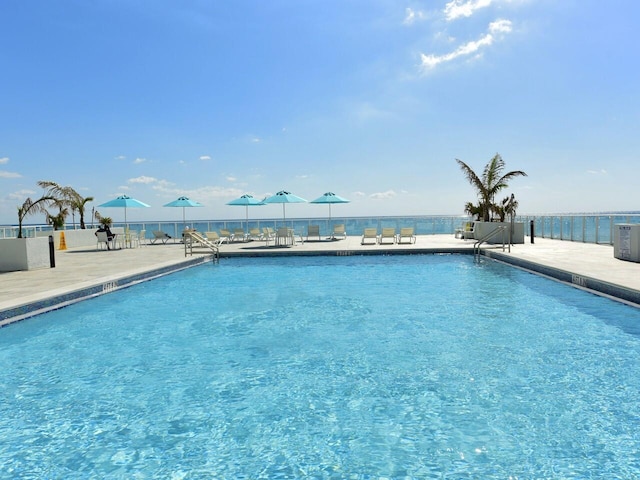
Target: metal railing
[{"x": 588, "y": 228}]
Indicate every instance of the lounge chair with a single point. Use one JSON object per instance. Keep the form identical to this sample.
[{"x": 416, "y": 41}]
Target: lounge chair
[
  {"x": 239, "y": 235},
  {"x": 388, "y": 234},
  {"x": 160, "y": 235},
  {"x": 313, "y": 231},
  {"x": 406, "y": 233},
  {"x": 213, "y": 237},
  {"x": 465, "y": 232},
  {"x": 368, "y": 235},
  {"x": 142, "y": 238},
  {"x": 339, "y": 231},
  {"x": 226, "y": 235},
  {"x": 255, "y": 234}
]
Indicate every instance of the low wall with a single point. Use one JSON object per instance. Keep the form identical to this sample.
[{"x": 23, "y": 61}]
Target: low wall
[
  {"x": 77, "y": 238},
  {"x": 481, "y": 229}
]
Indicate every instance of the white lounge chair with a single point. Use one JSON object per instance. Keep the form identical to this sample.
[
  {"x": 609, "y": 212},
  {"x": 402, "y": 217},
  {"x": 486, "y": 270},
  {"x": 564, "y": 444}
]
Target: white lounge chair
[
  {"x": 213, "y": 237},
  {"x": 339, "y": 231},
  {"x": 159, "y": 235},
  {"x": 406, "y": 233},
  {"x": 388, "y": 234},
  {"x": 313, "y": 231},
  {"x": 368, "y": 235}
]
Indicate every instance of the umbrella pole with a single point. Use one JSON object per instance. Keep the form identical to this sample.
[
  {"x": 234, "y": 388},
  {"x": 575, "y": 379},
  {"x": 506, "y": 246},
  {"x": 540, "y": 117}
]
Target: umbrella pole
[
  {"x": 284, "y": 215},
  {"x": 246, "y": 220}
]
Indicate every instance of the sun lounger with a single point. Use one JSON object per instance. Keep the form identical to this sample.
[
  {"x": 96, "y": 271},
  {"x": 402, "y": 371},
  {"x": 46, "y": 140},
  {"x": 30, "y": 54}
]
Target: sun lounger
[
  {"x": 313, "y": 231},
  {"x": 407, "y": 234},
  {"x": 226, "y": 235},
  {"x": 339, "y": 231},
  {"x": 213, "y": 237},
  {"x": 465, "y": 232},
  {"x": 161, "y": 236},
  {"x": 388, "y": 234},
  {"x": 369, "y": 235},
  {"x": 255, "y": 234}
]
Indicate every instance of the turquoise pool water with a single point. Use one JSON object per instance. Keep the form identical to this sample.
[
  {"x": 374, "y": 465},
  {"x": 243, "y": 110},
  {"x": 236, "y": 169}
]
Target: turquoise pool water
[{"x": 326, "y": 367}]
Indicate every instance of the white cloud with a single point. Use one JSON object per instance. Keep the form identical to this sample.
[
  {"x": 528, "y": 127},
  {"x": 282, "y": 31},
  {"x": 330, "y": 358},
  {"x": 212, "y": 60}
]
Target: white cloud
[
  {"x": 458, "y": 8},
  {"x": 4, "y": 160},
  {"x": 501, "y": 26},
  {"x": 4, "y": 174},
  {"x": 143, "y": 179},
  {"x": 20, "y": 194},
  {"x": 231, "y": 179},
  {"x": 358, "y": 194},
  {"x": 120, "y": 157},
  {"x": 255, "y": 140},
  {"x": 383, "y": 195},
  {"x": 205, "y": 158},
  {"x": 597, "y": 172},
  {"x": 412, "y": 16},
  {"x": 139, "y": 160}
]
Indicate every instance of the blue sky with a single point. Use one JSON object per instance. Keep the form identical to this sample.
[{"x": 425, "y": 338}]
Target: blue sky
[{"x": 371, "y": 99}]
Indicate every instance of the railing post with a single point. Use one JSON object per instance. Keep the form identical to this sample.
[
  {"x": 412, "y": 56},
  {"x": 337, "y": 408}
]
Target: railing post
[{"x": 597, "y": 228}]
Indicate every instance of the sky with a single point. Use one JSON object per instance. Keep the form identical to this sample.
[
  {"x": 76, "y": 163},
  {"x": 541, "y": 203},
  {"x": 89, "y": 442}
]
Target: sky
[{"x": 373, "y": 100}]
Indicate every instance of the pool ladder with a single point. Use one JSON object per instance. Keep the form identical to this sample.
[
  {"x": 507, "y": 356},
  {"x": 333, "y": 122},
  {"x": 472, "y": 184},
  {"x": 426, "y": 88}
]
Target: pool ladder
[
  {"x": 195, "y": 242},
  {"x": 499, "y": 229}
]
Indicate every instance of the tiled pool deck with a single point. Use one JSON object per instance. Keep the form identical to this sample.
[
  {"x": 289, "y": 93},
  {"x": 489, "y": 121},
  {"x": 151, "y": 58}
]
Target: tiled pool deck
[{"x": 85, "y": 272}]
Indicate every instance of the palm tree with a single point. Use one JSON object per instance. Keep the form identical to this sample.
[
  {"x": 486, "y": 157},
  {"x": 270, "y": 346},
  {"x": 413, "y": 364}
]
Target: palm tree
[
  {"x": 29, "y": 207},
  {"x": 490, "y": 183},
  {"x": 67, "y": 196}
]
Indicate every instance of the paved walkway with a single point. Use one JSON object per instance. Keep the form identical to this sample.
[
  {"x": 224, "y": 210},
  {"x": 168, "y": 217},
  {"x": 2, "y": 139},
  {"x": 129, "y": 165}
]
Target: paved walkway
[{"x": 85, "y": 272}]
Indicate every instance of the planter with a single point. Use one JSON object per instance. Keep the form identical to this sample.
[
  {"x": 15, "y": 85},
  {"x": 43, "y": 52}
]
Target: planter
[
  {"x": 482, "y": 229},
  {"x": 24, "y": 254}
]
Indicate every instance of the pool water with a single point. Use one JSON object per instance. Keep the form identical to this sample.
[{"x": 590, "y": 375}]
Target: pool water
[{"x": 326, "y": 367}]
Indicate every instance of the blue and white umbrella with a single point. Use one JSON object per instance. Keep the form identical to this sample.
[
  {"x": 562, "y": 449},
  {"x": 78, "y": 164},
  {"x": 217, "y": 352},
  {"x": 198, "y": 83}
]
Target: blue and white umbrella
[
  {"x": 246, "y": 201},
  {"x": 284, "y": 197},
  {"x": 183, "y": 202},
  {"x": 330, "y": 198},
  {"x": 124, "y": 201}
]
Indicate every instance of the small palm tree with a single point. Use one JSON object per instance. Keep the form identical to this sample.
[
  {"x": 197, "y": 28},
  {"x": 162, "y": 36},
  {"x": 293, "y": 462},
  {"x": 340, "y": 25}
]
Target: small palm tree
[
  {"x": 67, "y": 196},
  {"x": 490, "y": 183},
  {"x": 30, "y": 207}
]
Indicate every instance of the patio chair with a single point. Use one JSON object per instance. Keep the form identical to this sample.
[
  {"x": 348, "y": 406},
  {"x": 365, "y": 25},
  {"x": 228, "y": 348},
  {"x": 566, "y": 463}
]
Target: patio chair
[
  {"x": 406, "y": 233},
  {"x": 388, "y": 234},
  {"x": 159, "y": 235},
  {"x": 142, "y": 237},
  {"x": 313, "y": 231},
  {"x": 368, "y": 235},
  {"x": 104, "y": 242},
  {"x": 339, "y": 231}
]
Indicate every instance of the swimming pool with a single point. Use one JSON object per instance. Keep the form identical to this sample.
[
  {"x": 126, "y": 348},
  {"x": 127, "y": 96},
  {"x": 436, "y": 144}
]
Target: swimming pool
[{"x": 326, "y": 367}]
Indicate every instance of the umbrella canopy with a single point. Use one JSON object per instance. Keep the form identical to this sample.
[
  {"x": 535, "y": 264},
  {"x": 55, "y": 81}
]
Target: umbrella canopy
[
  {"x": 284, "y": 198},
  {"x": 124, "y": 201},
  {"x": 330, "y": 198},
  {"x": 246, "y": 201},
  {"x": 183, "y": 202}
]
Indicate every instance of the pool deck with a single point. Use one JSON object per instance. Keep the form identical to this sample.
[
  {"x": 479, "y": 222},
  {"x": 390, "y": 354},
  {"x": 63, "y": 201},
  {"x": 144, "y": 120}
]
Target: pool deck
[{"x": 86, "y": 272}]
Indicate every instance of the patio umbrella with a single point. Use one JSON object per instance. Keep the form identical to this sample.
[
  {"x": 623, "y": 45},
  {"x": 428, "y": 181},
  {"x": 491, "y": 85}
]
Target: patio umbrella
[
  {"x": 330, "y": 198},
  {"x": 284, "y": 198},
  {"x": 183, "y": 202},
  {"x": 246, "y": 201},
  {"x": 126, "y": 202}
]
